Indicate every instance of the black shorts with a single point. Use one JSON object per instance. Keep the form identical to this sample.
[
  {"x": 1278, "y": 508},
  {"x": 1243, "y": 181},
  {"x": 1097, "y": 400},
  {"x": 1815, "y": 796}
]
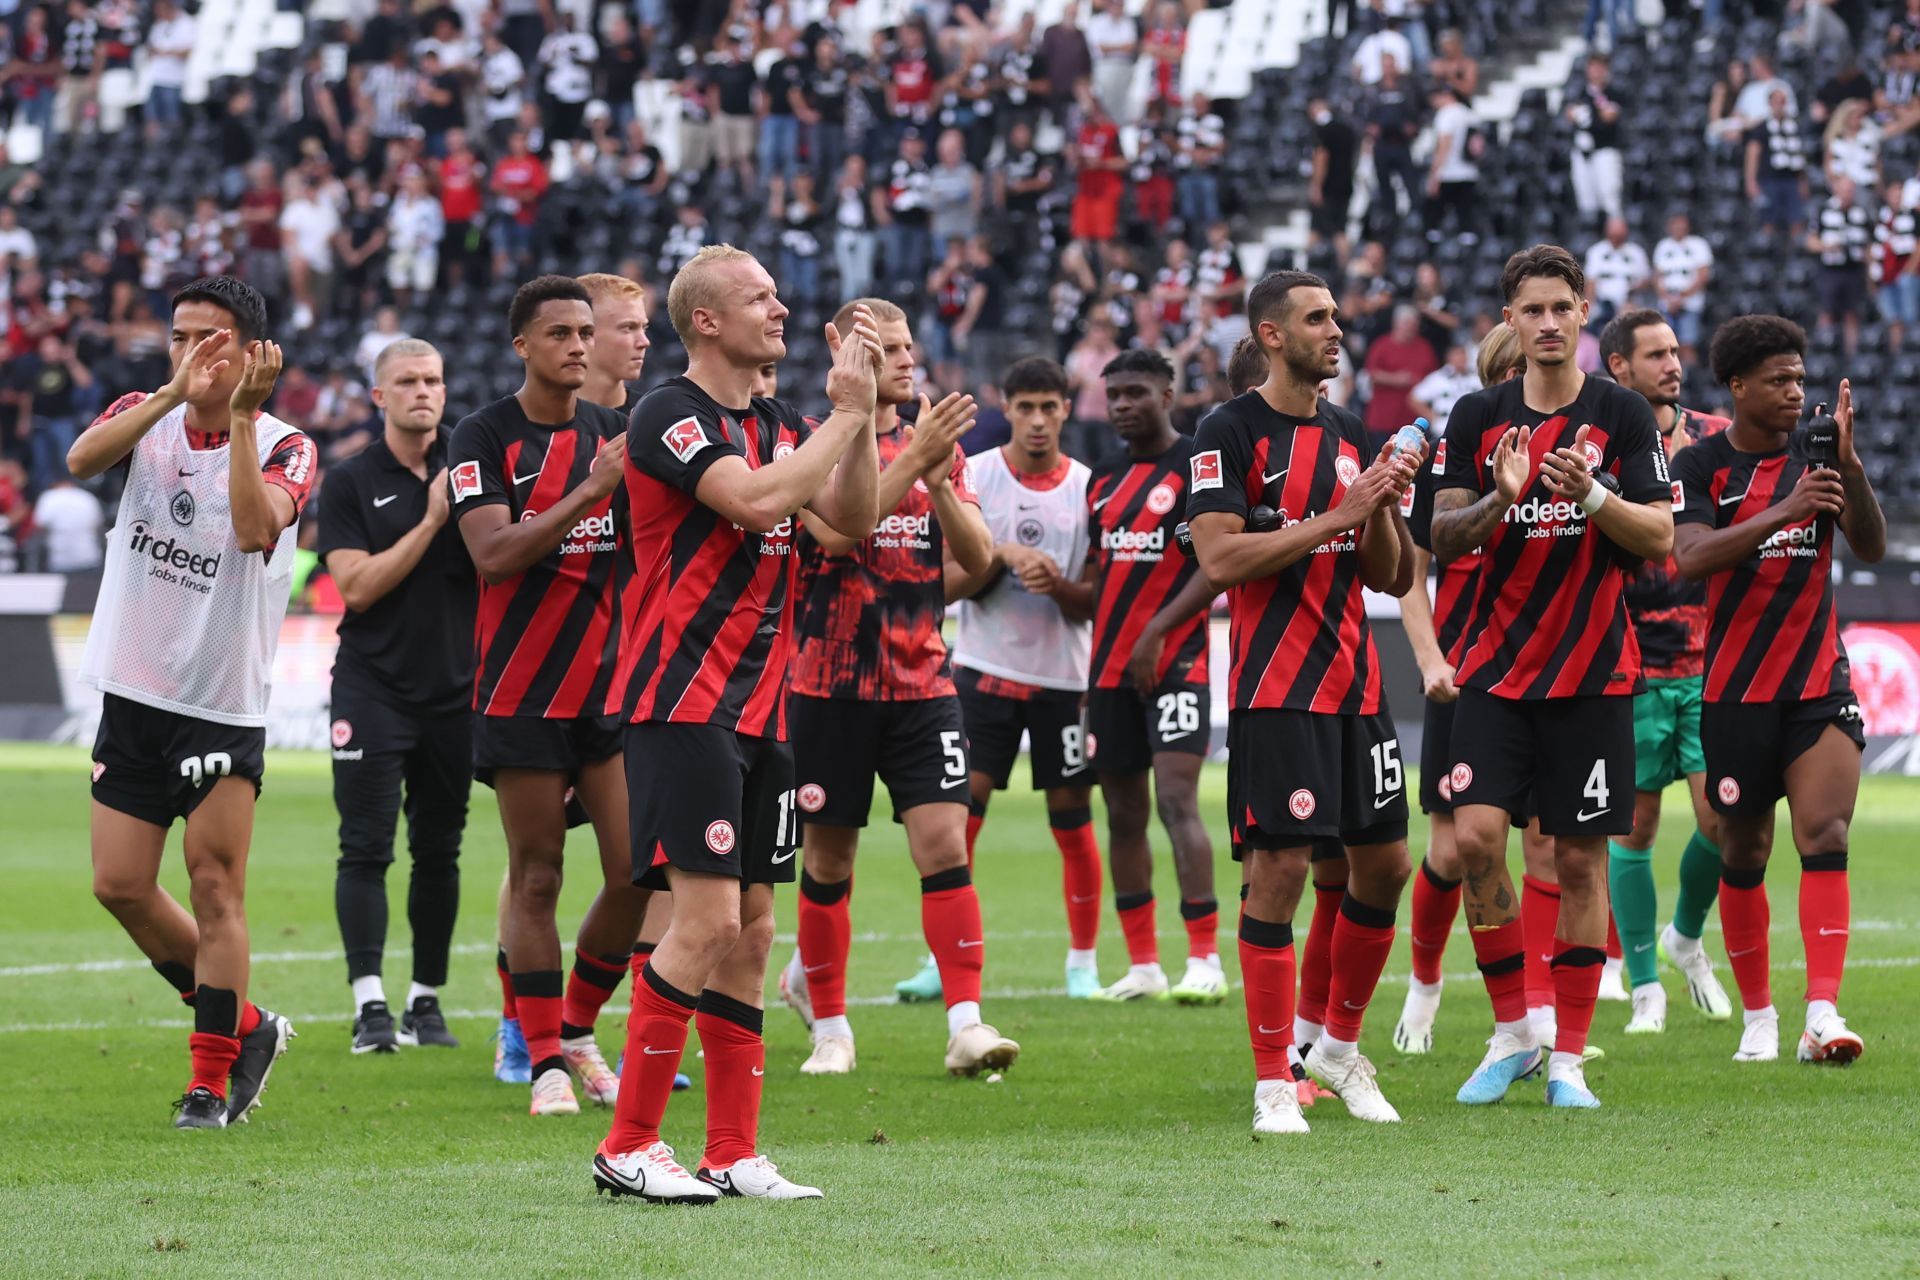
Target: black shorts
[
  {"x": 703, "y": 798},
  {"x": 1329, "y": 218},
  {"x": 529, "y": 742},
  {"x": 918, "y": 748},
  {"x": 1125, "y": 731},
  {"x": 1055, "y": 729},
  {"x": 1569, "y": 761},
  {"x": 1302, "y": 777},
  {"x": 1843, "y": 291},
  {"x": 1436, "y": 758},
  {"x": 1749, "y": 745},
  {"x": 158, "y": 765}
]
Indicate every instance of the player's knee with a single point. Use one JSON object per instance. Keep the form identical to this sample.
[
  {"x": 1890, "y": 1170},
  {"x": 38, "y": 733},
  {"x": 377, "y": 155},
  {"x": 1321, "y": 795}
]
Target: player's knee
[
  {"x": 215, "y": 894},
  {"x": 828, "y": 865},
  {"x": 536, "y": 884},
  {"x": 1582, "y": 871},
  {"x": 753, "y": 941},
  {"x": 1127, "y": 815},
  {"x": 1177, "y": 808},
  {"x": 1821, "y": 835},
  {"x": 117, "y": 892}
]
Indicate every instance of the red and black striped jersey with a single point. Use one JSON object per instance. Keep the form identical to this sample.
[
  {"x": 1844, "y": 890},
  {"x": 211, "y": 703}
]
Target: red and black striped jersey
[
  {"x": 1453, "y": 587},
  {"x": 1134, "y": 506},
  {"x": 544, "y": 640},
  {"x": 1549, "y": 615},
  {"x": 707, "y": 628},
  {"x": 868, "y": 622},
  {"x": 1772, "y": 635},
  {"x": 1300, "y": 638},
  {"x": 1669, "y": 611}
]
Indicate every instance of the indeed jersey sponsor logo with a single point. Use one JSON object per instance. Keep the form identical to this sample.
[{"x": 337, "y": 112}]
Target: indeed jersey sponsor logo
[
  {"x": 904, "y": 531},
  {"x": 1133, "y": 544},
  {"x": 173, "y": 562},
  {"x": 593, "y": 534},
  {"x": 1548, "y": 517},
  {"x": 1348, "y": 541},
  {"x": 1798, "y": 540}
]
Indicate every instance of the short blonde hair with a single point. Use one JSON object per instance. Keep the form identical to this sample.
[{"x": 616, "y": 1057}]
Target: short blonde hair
[
  {"x": 883, "y": 311},
  {"x": 1499, "y": 355},
  {"x": 694, "y": 287},
  {"x": 405, "y": 348},
  {"x": 605, "y": 285}
]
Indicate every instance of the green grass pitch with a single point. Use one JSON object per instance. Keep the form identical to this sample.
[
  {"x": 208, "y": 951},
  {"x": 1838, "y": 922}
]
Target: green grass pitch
[{"x": 1119, "y": 1145}]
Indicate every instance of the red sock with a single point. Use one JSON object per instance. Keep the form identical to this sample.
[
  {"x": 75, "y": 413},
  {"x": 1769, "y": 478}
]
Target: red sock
[
  {"x": 1435, "y": 904},
  {"x": 1539, "y": 917},
  {"x": 1267, "y": 972},
  {"x": 1136, "y": 925},
  {"x": 826, "y": 937},
  {"x": 637, "y": 962},
  {"x": 974, "y": 822},
  {"x": 1202, "y": 918},
  {"x": 249, "y": 1019},
  {"x": 1362, "y": 941},
  {"x": 508, "y": 1008},
  {"x": 730, "y": 1032},
  {"x": 1316, "y": 961},
  {"x": 588, "y": 987},
  {"x": 1744, "y": 919},
  {"x": 656, "y": 1039},
  {"x": 213, "y": 1057},
  {"x": 537, "y": 996},
  {"x": 950, "y": 918},
  {"x": 1613, "y": 942},
  {"x": 1080, "y": 875},
  {"x": 1576, "y": 985},
  {"x": 1826, "y": 911},
  {"x": 1500, "y": 953}
]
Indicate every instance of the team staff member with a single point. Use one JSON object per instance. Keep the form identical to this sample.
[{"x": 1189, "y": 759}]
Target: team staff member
[
  {"x": 1024, "y": 643},
  {"x": 192, "y": 596},
  {"x": 1758, "y": 505},
  {"x": 713, "y": 485},
  {"x": 1544, "y": 721},
  {"x": 1312, "y": 753},
  {"x": 871, "y": 693},
  {"x": 1669, "y": 615},
  {"x": 533, "y": 478},
  {"x": 402, "y": 681},
  {"x": 1149, "y": 711}
]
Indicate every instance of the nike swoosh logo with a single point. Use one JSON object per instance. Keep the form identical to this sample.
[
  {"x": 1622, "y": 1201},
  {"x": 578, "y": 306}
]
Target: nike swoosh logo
[
  {"x": 1078, "y": 901},
  {"x": 777, "y": 860},
  {"x": 759, "y": 1071},
  {"x": 1271, "y": 1031},
  {"x": 654, "y": 1053},
  {"x": 816, "y": 968},
  {"x": 963, "y": 943},
  {"x": 1172, "y": 737},
  {"x": 1832, "y": 933},
  {"x": 951, "y": 783},
  {"x": 1269, "y": 479},
  {"x": 185, "y": 474},
  {"x": 1028, "y": 506},
  {"x": 1638, "y": 947},
  {"x": 1096, "y": 506},
  {"x": 1735, "y": 955},
  {"x": 1381, "y": 804},
  {"x": 524, "y": 479},
  {"x": 1727, "y": 502},
  {"x": 1348, "y": 1004},
  {"x": 381, "y": 502},
  {"x": 1584, "y": 816}
]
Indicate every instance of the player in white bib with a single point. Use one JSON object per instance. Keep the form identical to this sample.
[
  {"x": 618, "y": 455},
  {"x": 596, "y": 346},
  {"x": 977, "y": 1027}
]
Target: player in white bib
[
  {"x": 191, "y": 600},
  {"x": 1025, "y": 639}
]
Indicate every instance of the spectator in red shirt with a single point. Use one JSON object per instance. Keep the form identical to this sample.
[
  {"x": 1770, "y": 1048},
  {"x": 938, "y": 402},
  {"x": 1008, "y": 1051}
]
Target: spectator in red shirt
[
  {"x": 1396, "y": 362},
  {"x": 260, "y": 208},
  {"x": 460, "y": 176},
  {"x": 914, "y": 74},
  {"x": 519, "y": 183},
  {"x": 1098, "y": 164},
  {"x": 1166, "y": 43}
]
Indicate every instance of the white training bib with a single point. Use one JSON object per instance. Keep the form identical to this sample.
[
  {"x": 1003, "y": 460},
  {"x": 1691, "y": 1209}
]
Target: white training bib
[
  {"x": 186, "y": 620},
  {"x": 1008, "y": 631}
]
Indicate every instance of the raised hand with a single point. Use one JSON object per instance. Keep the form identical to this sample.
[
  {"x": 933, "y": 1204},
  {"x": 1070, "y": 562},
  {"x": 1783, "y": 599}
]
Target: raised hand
[
  {"x": 1512, "y": 466},
  {"x": 201, "y": 367},
  {"x": 257, "y": 376},
  {"x": 1819, "y": 493},
  {"x": 851, "y": 381},
  {"x": 938, "y": 430},
  {"x": 1843, "y": 453},
  {"x": 439, "y": 500},
  {"x": 1566, "y": 470},
  {"x": 609, "y": 466}
]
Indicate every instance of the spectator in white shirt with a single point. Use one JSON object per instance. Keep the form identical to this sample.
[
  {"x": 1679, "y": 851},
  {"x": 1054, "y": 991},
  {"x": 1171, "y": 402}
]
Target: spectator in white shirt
[
  {"x": 1434, "y": 396},
  {"x": 1617, "y": 268},
  {"x": 415, "y": 225},
  {"x": 307, "y": 226},
  {"x": 168, "y": 45},
  {"x": 1368, "y": 59},
  {"x": 1853, "y": 146},
  {"x": 503, "y": 81},
  {"x": 567, "y": 57},
  {"x": 385, "y": 332},
  {"x": 69, "y": 520},
  {"x": 1751, "y": 105},
  {"x": 1453, "y": 171},
  {"x": 16, "y": 242},
  {"x": 1682, "y": 265},
  {"x": 1114, "y": 39}
]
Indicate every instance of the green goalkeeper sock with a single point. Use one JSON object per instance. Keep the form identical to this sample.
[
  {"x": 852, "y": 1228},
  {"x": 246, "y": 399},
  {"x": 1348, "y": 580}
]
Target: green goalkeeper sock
[
  {"x": 1630, "y": 880},
  {"x": 1699, "y": 886}
]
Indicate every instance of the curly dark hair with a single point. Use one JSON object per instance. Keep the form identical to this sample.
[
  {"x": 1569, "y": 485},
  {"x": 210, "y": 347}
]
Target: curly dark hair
[
  {"x": 1150, "y": 363},
  {"x": 529, "y": 297},
  {"x": 1744, "y": 343},
  {"x": 234, "y": 296}
]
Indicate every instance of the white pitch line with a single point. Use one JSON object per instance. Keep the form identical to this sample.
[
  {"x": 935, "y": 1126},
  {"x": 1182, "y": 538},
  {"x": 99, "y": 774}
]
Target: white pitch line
[
  {"x": 1030, "y": 993},
  {"x": 786, "y": 939}
]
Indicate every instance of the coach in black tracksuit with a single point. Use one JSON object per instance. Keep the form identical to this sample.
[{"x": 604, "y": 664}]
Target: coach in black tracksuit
[{"x": 402, "y": 685}]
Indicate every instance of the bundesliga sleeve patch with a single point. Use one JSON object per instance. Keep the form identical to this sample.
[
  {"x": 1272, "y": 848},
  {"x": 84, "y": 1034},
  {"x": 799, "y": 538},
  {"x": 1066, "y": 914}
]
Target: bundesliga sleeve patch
[
  {"x": 1679, "y": 496},
  {"x": 1205, "y": 469},
  {"x": 685, "y": 438},
  {"x": 466, "y": 481},
  {"x": 1440, "y": 458}
]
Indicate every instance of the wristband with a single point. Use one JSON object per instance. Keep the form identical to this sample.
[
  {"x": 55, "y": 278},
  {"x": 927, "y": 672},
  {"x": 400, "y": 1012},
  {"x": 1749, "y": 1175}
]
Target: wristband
[{"x": 1595, "y": 498}]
